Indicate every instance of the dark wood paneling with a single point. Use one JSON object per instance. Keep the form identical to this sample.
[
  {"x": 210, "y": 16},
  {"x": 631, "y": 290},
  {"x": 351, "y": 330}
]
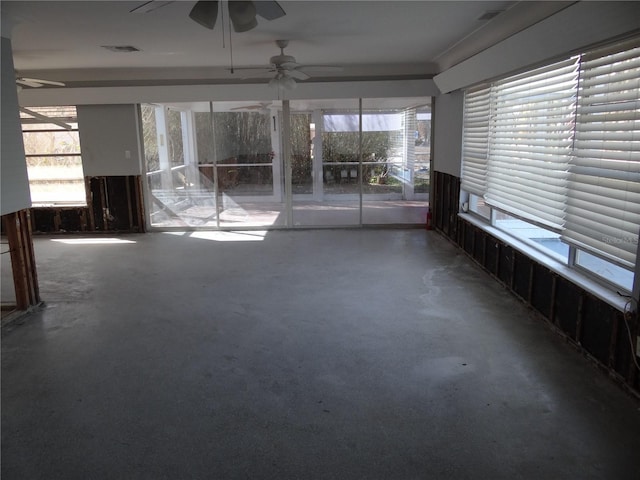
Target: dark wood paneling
[
  {"x": 113, "y": 204},
  {"x": 586, "y": 320},
  {"x": 469, "y": 238},
  {"x": 505, "y": 265},
  {"x": 596, "y": 328},
  {"x": 541, "y": 290},
  {"x": 491, "y": 255},
  {"x": 521, "y": 275},
  {"x": 73, "y": 220},
  {"x": 44, "y": 220},
  {"x": 566, "y": 306},
  {"x": 479, "y": 246}
]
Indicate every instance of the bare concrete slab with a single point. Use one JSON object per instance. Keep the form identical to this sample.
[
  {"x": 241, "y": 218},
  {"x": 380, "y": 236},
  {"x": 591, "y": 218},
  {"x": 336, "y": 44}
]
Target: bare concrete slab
[{"x": 344, "y": 354}]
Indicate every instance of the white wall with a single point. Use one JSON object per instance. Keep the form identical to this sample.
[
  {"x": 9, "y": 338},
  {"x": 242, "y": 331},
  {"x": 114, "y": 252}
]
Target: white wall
[
  {"x": 576, "y": 27},
  {"x": 198, "y": 93},
  {"x": 447, "y": 141},
  {"x": 14, "y": 186},
  {"x": 109, "y": 140}
]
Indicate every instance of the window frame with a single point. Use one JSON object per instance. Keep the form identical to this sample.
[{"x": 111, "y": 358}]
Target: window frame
[
  {"x": 490, "y": 222},
  {"x": 48, "y": 127}
]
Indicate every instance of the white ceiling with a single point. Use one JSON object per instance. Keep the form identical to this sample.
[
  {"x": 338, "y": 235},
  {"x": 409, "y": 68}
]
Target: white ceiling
[{"x": 369, "y": 39}]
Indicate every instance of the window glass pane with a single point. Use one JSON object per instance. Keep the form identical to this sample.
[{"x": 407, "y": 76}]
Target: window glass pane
[
  {"x": 56, "y": 180},
  {"x": 150, "y": 138},
  {"x": 547, "y": 241},
  {"x": 38, "y": 126},
  {"x": 479, "y": 206},
  {"x": 174, "y": 138},
  {"x": 204, "y": 138},
  {"x": 325, "y": 162},
  {"x": 302, "y": 132},
  {"x": 63, "y": 141},
  {"x": 606, "y": 270},
  {"x": 395, "y": 160},
  {"x": 422, "y": 140},
  {"x": 54, "y": 164}
]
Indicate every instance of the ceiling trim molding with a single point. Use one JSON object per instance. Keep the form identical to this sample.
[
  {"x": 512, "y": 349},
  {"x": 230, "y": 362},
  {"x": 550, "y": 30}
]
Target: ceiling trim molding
[
  {"x": 578, "y": 26},
  {"x": 195, "y": 93}
]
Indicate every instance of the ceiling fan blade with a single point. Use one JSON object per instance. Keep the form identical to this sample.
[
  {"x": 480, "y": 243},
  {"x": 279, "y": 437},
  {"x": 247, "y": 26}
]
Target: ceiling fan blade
[
  {"x": 266, "y": 68},
  {"x": 260, "y": 106},
  {"x": 263, "y": 74},
  {"x": 242, "y": 14},
  {"x": 298, "y": 75},
  {"x": 43, "y": 82},
  {"x": 150, "y": 6},
  {"x": 22, "y": 81},
  {"x": 205, "y": 12},
  {"x": 140, "y": 8},
  {"x": 320, "y": 68},
  {"x": 269, "y": 9}
]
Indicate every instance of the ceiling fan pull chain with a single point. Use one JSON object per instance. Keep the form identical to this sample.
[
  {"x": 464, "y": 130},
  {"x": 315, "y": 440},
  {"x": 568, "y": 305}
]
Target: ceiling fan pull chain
[
  {"x": 224, "y": 34},
  {"x": 230, "y": 46}
]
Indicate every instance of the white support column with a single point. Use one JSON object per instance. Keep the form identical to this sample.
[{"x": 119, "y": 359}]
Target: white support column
[
  {"x": 163, "y": 147},
  {"x": 317, "y": 172},
  {"x": 275, "y": 127},
  {"x": 190, "y": 148},
  {"x": 286, "y": 156},
  {"x": 410, "y": 125}
]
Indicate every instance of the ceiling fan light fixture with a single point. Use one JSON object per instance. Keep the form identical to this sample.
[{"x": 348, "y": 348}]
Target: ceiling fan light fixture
[
  {"x": 283, "y": 82},
  {"x": 288, "y": 83},
  {"x": 205, "y": 12},
  {"x": 243, "y": 15},
  {"x": 275, "y": 82}
]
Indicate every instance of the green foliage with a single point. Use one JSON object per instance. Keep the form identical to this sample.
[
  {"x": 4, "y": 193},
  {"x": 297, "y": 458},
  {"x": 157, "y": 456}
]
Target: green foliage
[
  {"x": 344, "y": 146},
  {"x": 242, "y": 137}
]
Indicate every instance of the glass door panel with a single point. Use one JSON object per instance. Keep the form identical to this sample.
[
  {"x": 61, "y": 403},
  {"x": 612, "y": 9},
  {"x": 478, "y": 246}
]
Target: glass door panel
[
  {"x": 179, "y": 192},
  {"x": 395, "y": 165},
  {"x": 325, "y": 149},
  {"x": 246, "y": 138}
]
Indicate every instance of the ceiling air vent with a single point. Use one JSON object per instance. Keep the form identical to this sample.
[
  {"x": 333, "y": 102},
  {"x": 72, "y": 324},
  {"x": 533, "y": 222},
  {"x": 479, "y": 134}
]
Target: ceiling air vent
[
  {"x": 489, "y": 14},
  {"x": 121, "y": 48}
]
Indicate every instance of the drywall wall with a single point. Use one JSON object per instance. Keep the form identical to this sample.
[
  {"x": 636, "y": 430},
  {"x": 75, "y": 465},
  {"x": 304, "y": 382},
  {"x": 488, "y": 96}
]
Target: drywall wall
[
  {"x": 14, "y": 185},
  {"x": 109, "y": 140},
  {"x": 447, "y": 142},
  {"x": 578, "y": 26},
  {"x": 197, "y": 93}
]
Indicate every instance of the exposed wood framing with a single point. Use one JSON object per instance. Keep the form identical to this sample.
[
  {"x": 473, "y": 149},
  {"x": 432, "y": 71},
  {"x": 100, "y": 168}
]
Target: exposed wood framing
[
  {"x": 25, "y": 278},
  {"x": 607, "y": 350}
]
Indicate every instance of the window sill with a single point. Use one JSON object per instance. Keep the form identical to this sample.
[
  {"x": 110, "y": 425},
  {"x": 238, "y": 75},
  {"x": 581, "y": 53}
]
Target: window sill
[
  {"x": 592, "y": 286},
  {"x": 58, "y": 205}
]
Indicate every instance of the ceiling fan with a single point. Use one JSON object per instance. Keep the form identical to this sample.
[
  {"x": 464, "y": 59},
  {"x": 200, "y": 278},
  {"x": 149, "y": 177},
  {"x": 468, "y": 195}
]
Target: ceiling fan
[
  {"x": 286, "y": 69},
  {"x": 36, "y": 82},
  {"x": 258, "y": 107},
  {"x": 242, "y": 13}
]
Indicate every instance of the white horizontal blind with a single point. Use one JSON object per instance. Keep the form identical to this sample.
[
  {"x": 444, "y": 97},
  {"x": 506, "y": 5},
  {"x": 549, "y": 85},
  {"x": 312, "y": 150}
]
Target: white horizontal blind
[
  {"x": 530, "y": 139},
  {"x": 475, "y": 139},
  {"x": 603, "y": 204}
]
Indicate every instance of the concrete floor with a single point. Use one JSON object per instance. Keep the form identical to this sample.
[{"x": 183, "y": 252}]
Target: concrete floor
[
  {"x": 239, "y": 214},
  {"x": 333, "y": 354}
]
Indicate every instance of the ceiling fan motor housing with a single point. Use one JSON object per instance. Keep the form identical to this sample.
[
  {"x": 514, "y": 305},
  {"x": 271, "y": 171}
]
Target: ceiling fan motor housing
[{"x": 282, "y": 59}]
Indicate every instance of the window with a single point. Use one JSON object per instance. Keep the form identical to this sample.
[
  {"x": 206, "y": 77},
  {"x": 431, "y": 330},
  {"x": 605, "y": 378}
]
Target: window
[
  {"x": 554, "y": 154},
  {"x": 54, "y": 161}
]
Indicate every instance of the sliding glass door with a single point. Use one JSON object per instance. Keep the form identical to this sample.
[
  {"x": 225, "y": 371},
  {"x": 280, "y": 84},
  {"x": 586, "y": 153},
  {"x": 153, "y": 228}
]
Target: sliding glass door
[{"x": 349, "y": 162}]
